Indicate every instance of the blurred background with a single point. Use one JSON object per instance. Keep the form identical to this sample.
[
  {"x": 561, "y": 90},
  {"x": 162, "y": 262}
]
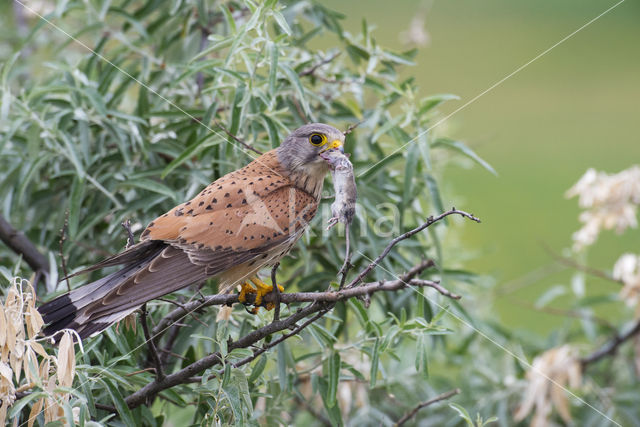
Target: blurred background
[{"x": 576, "y": 107}]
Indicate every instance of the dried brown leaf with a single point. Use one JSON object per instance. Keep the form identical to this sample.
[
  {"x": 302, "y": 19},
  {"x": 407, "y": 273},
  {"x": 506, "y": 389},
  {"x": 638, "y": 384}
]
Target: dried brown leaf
[
  {"x": 35, "y": 410},
  {"x": 66, "y": 360},
  {"x": 3, "y": 327},
  {"x": 35, "y": 322},
  {"x": 3, "y": 412},
  {"x": 29, "y": 374}
]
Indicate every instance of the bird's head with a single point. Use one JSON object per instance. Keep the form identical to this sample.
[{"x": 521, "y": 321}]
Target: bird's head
[{"x": 301, "y": 150}]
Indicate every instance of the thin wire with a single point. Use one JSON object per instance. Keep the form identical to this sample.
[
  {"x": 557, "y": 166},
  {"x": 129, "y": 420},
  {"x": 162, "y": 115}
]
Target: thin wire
[
  {"x": 488, "y": 338},
  {"x": 493, "y": 86}
]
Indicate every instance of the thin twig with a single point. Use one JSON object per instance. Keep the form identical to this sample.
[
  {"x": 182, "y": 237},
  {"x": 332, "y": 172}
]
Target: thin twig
[
  {"x": 310, "y": 409},
  {"x": 351, "y": 128},
  {"x": 430, "y": 221},
  {"x": 406, "y": 417},
  {"x": 435, "y": 285},
  {"x": 610, "y": 348},
  {"x": 235, "y": 138},
  {"x": 574, "y": 264},
  {"x": 20, "y": 244},
  {"x": 168, "y": 345},
  {"x": 151, "y": 344},
  {"x": 107, "y": 408},
  {"x": 191, "y": 313},
  {"x": 301, "y": 113},
  {"x": 311, "y": 70},
  {"x": 276, "y": 292},
  {"x": 297, "y": 297},
  {"x": 63, "y": 232}
]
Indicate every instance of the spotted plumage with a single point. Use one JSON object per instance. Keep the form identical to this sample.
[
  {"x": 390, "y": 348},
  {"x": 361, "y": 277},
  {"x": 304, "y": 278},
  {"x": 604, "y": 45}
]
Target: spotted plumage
[{"x": 237, "y": 225}]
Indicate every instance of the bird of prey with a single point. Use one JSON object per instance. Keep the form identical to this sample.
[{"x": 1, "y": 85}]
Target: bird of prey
[{"x": 240, "y": 223}]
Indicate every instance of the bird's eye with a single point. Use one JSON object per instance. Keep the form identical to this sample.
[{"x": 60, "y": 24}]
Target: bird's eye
[{"x": 317, "y": 139}]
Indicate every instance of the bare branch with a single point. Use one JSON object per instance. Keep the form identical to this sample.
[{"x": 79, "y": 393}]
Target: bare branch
[
  {"x": 435, "y": 285},
  {"x": 352, "y": 127},
  {"x": 20, "y": 244},
  {"x": 322, "y": 303},
  {"x": 153, "y": 351},
  {"x": 311, "y": 70},
  {"x": 610, "y": 348},
  {"x": 288, "y": 298},
  {"x": 63, "y": 233},
  {"x": 406, "y": 417},
  {"x": 235, "y": 138}
]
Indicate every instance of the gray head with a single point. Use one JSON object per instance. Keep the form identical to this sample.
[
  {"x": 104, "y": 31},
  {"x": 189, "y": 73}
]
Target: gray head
[{"x": 300, "y": 151}]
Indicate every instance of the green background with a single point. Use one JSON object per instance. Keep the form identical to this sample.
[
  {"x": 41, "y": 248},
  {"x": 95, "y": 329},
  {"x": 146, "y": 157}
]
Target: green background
[{"x": 574, "y": 108}]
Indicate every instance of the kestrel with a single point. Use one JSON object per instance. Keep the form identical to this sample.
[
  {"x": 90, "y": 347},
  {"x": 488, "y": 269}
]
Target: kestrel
[{"x": 242, "y": 222}]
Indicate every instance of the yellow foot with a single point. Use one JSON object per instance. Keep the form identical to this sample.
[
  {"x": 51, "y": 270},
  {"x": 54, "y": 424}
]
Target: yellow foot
[{"x": 261, "y": 289}]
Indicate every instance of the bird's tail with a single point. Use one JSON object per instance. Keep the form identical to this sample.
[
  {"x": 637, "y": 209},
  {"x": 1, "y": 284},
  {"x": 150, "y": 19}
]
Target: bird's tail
[{"x": 68, "y": 310}]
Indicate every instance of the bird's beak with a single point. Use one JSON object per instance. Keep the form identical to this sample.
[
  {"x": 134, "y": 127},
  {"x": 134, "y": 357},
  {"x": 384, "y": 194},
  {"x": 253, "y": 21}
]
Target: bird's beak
[{"x": 333, "y": 145}]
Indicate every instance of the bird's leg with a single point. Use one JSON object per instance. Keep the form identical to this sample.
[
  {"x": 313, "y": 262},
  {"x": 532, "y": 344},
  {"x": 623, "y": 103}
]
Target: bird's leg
[
  {"x": 263, "y": 289},
  {"x": 245, "y": 289}
]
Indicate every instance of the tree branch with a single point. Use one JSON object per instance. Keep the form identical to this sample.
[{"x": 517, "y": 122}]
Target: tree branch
[
  {"x": 153, "y": 351},
  {"x": 20, "y": 244},
  {"x": 287, "y": 298},
  {"x": 611, "y": 347},
  {"x": 406, "y": 417},
  {"x": 322, "y": 303},
  {"x": 235, "y": 138},
  {"x": 311, "y": 70}
]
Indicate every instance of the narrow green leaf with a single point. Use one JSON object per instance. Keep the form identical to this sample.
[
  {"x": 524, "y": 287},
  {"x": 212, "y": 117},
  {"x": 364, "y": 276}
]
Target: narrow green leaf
[
  {"x": 463, "y": 413},
  {"x": 378, "y": 166},
  {"x": 151, "y": 185},
  {"x": 226, "y": 375},
  {"x": 273, "y": 68},
  {"x": 357, "y": 53},
  {"x": 258, "y": 368},
  {"x": 432, "y": 185},
  {"x": 411, "y": 166},
  {"x": 236, "y": 110},
  {"x": 374, "y": 363},
  {"x": 433, "y": 101},
  {"x": 333, "y": 376},
  {"x": 464, "y": 149},
  {"x": 17, "y": 407},
  {"x": 297, "y": 85},
  {"x": 282, "y": 23},
  {"x": 422, "y": 363},
  {"x": 118, "y": 401},
  {"x": 233, "y": 396},
  {"x": 75, "y": 202},
  {"x": 282, "y": 366},
  {"x": 335, "y": 416}
]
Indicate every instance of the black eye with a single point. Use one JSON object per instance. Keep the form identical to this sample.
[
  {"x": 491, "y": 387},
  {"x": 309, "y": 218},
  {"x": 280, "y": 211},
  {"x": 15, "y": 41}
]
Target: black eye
[{"x": 317, "y": 139}]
